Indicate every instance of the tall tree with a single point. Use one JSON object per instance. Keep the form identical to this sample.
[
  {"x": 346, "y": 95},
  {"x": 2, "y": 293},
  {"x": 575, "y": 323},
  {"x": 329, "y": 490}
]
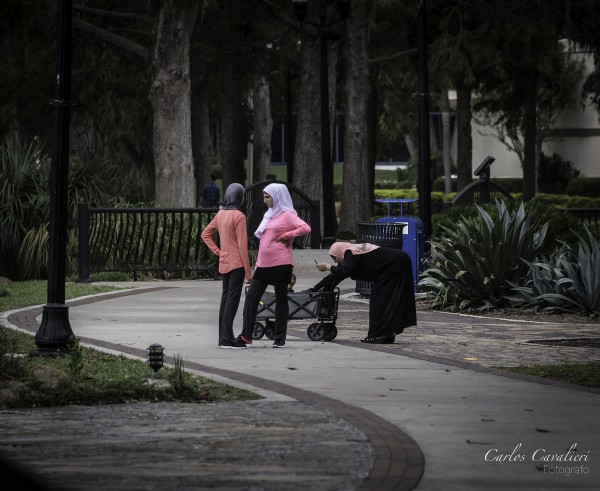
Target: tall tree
[
  {"x": 170, "y": 95},
  {"x": 263, "y": 126},
  {"x": 357, "y": 198},
  {"x": 460, "y": 50},
  {"x": 202, "y": 143},
  {"x": 28, "y": 47},
  {"x": 307, "y": 153},
  {"x": 582, "y": 28},
  {"x": 527, "y": 85},
  {"x": 169, "y": 92}
]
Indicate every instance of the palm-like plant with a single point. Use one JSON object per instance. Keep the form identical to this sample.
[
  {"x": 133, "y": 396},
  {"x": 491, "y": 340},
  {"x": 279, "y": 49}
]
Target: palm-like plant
[
  {"x": 472, "y": 263},
  {"x": 564, "y": 281},
  {"x": 25, "y": 198},
  {"x": 20, "y": 205}
]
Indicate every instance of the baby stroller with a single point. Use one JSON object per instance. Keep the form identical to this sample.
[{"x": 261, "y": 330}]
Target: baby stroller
[{"x": 321, "y": 305}]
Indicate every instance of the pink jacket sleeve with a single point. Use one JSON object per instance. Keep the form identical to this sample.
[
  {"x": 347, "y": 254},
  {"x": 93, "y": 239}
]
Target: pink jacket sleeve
[
  {"x": 300, "y": 228},
  {"x": 242, "y": 239},
  {"x": 207, "y": 236}
]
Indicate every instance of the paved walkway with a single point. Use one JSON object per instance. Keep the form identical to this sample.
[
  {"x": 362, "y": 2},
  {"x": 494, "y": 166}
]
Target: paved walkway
[{"x": 428, "y": 413}]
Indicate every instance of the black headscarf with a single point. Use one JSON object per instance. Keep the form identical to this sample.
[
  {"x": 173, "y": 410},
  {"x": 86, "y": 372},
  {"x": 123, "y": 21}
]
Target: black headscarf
[{"x": 234, "y": 197}]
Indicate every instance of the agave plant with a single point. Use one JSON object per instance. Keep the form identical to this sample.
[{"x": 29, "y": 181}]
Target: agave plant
[
  {"x": 472, "y": 263},
  {"x": 564, "y": 281}
]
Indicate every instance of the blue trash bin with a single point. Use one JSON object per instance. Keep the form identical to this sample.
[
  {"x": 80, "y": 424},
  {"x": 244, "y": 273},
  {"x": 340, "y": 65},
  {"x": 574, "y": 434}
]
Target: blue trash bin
[
  {"x": 381, "y": 234},
  {"x": 413, "y": 242}
]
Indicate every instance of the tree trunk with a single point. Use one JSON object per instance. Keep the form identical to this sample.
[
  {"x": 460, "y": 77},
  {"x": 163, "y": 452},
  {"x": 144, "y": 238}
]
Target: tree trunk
[
  {"x": 530, "y": 140},
  {"x": 203, "y": 154},
  {"x": 170, "y": 96},
  {"x": 446, "y": 142},
  {"x": 356, "y": 196},
  {"x": 232, "y": 142},
  {"x": 464, "y": 143},
  {"x": 307, "y": 152},
  {"x": 410, "y": 145},
  {"x": 263, "y": 127},
  {"x": 332, "y": 59}
]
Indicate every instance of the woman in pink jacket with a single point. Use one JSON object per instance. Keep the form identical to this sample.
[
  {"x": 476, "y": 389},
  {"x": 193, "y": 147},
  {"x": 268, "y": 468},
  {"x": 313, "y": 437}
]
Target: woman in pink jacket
[
  {"x": 279, "y": 227},
  {"x": 234, "y": 265}
]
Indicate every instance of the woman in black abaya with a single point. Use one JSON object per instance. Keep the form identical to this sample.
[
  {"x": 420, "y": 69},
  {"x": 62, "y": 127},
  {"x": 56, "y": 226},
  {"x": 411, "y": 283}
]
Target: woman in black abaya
[{"x": 392, "y": 303}]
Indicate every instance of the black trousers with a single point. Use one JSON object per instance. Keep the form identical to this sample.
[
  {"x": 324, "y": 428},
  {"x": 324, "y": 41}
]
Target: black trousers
[
  {"x": 279, "y": 277},
  {"x": 230, "y": 300}
]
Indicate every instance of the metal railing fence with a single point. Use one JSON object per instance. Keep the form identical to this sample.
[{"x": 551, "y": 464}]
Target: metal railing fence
[
  {"x": 588, "y": 216},
  {"x": 157, "y": 241}
]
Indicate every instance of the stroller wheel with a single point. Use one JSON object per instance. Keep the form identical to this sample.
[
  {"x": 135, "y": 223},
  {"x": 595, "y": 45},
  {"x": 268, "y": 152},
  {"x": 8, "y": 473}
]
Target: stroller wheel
[
  {"x": 259, "y": 331},
  {"x": 315, "y": 332},
  {"x": 330, "y": 332},
  {"x": 269, "y": 329}
]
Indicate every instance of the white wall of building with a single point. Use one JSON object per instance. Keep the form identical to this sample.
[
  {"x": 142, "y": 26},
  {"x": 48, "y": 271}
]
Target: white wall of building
[{"x": 583, "y": 151}]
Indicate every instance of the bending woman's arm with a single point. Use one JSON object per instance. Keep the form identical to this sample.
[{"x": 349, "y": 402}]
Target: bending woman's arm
[{"x": 339, "y": 273}]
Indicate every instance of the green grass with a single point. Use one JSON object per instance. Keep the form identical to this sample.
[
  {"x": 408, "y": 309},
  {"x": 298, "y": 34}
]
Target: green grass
[
  {"x": 23, "y": 294},
  {"x": 586, "y": 374},
  {"x": 92, "y": 377}
]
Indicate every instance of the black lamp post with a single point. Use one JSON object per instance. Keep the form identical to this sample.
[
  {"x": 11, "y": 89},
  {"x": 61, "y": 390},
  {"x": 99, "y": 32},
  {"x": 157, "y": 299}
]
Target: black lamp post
[
  {"x": 424, "y": 150},
  {"x": 54, "y": 333},
  {"x": 325, "y": 33}
]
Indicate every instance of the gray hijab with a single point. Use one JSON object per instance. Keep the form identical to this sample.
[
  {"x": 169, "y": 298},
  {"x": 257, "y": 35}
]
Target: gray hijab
[{"x": 234, "y": 197}]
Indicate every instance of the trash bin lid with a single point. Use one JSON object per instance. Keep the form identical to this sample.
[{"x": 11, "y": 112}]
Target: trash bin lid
[{"x": 396, "y": 200}]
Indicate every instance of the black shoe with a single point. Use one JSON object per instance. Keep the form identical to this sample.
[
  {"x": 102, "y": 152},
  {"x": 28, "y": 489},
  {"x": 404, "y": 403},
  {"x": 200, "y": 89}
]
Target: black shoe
[
  {"x": 233, "y": 345},
  {"x": 244, "y": 341},
  {"x": 371, "y": 340},
  {"x": 279, "y": 344}
]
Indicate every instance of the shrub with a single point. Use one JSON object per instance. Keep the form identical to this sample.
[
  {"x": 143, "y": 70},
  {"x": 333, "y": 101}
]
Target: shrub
[
  {"x": 407, "y": 178},
  {"x": 472, "y": 261},
  {"x": 439, "y": 185},
  {"x": 555, "y": 173},
  {"x": 511, "y": 184},
  {"x": 451, "y": 215},
  {"x": 564, "y": 281},
  {"x": 438, "y": 201},
  {"x": 562, "y": 227},
  {"x": 584, "y": 186}
]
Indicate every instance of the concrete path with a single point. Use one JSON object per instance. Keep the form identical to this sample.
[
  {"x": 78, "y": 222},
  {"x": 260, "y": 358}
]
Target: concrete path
[{"x": 434, "y": 412}]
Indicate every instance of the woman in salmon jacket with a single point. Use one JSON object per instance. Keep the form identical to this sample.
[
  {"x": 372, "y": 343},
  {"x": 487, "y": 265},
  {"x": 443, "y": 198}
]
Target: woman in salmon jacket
[{"x": 234, "y": 265}]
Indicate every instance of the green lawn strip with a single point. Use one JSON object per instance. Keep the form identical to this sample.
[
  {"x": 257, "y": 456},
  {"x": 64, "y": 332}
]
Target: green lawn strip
[
  {"x": 586, "y": 374},
  {"x": 25, "y": 293},
  {"x": 93, "y": 377}
]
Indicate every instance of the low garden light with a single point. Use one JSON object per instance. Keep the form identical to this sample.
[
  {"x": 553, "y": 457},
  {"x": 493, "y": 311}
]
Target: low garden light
[{"x": 155, "y": 358}]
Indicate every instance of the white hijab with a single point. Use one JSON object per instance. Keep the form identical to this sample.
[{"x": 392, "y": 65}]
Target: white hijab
[{"x": 282, "y": 202}]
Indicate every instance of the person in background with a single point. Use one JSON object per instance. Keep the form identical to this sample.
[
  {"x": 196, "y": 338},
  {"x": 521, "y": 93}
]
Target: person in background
[
  {"x": 392, "y": 305},
  {"x": 210, "y": 194},
  {"x": 234, "y": 265},
  {"x": 274, "y": 265}
]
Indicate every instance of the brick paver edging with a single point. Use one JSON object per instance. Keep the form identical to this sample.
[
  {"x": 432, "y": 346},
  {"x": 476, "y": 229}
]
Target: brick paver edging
[{"x": 398, "y": 462}]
